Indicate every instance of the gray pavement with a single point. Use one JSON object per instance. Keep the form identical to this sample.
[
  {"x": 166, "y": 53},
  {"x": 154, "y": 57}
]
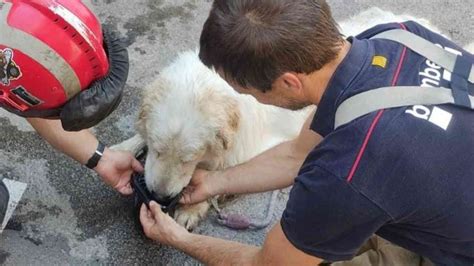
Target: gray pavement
[{"x": 67, "y": 215}]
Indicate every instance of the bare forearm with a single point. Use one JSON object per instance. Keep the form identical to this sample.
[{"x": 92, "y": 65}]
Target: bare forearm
[
  {"x": 78, "y": 145},
  {"x": 276, "y": 250},
  {"x": 114, "y": 167},
  {"x": 273, "y": 169},
  {"x": 214, "y": 251}
]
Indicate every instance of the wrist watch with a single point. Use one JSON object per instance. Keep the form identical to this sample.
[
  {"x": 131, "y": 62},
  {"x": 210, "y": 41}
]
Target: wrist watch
[{"x": 95, "y": 158}]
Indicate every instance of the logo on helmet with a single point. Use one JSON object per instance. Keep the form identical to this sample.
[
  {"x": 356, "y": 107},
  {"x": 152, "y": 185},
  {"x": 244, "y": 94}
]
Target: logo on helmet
[{"x": 8, "y": 68}]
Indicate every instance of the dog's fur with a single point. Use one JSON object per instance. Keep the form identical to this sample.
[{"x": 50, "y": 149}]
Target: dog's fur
[{"x": 192, "y": 118}]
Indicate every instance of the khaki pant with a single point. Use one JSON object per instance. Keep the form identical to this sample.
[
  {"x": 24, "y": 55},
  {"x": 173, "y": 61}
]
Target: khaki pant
[{"x": 379, "y": 252}]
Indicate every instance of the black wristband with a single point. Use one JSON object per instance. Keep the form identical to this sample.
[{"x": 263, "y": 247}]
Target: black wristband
[{"x": 94, "y": 160}]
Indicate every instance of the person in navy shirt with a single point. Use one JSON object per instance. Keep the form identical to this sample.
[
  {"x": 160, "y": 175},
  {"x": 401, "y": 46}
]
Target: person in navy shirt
[{"x": 405, "y": 174}]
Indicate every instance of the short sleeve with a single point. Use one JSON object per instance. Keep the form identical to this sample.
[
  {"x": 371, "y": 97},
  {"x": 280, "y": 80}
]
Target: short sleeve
[{"x": 325, "y": 217}]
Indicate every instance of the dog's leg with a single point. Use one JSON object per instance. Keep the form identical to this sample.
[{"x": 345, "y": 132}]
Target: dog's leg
[
  {"x": 189, "y": 216},
  {"x": 133, "y": 145}
]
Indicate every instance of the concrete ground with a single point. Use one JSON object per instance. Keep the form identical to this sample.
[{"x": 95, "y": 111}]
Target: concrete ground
[{"x": 67, "y": 216}]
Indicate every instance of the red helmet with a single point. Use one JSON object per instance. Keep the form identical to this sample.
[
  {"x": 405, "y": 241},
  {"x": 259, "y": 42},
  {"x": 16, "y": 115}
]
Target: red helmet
[{"x": 50, "y": 50}]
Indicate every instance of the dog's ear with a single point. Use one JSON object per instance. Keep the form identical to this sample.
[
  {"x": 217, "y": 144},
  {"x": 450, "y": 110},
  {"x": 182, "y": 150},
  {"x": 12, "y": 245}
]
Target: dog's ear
[
  {"x": 225, "y": 139},
  {"x": 223, "y": 112},
  {"x": 228, "y": 119},
  {"x": 227, "y": 133},
  {"x": 140, "y": 125},
  {"x": 150, "y": 96}
]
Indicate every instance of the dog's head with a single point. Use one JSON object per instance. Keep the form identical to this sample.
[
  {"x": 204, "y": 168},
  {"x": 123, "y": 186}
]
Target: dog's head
[{"x": 189, "y": 117}]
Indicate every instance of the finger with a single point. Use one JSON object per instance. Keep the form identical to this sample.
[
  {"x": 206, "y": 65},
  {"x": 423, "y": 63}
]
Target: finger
[
  {"x": 184, "y": 195},
  {"x": 126, "y": 190},
  {"x": 145, "y": 218},
  {"x": 155, "y": 210},
  {"x": 187, "y": 196},
  {"x": 137, "y": 166},
  {"x": 184, "y": 199}
]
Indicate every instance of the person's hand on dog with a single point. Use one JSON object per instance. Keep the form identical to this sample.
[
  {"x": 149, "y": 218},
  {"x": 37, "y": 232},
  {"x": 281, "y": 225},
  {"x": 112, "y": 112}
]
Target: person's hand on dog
[
  {"x": 116, "y": 169},
  {"x": 159, "y": 226},
  {"x": 200, "y": 188}
]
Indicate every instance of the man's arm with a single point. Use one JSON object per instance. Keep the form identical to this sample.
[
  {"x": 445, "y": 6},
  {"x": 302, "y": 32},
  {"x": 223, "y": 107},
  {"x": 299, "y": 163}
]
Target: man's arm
[
  {"x": 273, "y": 169},
  {"x": 115, "y": 167},
  {"x": 277, "y": 250},
  {"x": 78, "y": 145}
]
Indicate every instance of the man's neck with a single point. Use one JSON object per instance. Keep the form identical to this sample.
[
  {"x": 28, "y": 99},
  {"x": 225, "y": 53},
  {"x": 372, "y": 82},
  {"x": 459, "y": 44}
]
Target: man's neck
[{"x": 318, "y": 81}]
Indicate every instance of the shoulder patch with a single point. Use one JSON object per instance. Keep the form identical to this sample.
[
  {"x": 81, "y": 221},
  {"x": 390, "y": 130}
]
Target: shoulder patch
[{"x": 380, "y": 61}]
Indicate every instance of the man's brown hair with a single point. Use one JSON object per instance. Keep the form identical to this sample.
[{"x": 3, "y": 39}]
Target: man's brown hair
[{"x": 253, "y": 42}]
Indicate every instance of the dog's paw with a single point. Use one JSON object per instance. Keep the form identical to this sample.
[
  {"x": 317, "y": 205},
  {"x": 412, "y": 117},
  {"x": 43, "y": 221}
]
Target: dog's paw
[{"x": 190, "y": 216}]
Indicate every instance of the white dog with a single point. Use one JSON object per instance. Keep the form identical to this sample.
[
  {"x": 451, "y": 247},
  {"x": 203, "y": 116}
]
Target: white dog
[{"x": 190, "y": 118}]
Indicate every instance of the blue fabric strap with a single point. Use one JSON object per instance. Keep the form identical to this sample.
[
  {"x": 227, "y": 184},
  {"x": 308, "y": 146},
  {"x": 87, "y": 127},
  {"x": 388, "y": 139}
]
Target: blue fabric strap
[{"x": 460, "y": 83}]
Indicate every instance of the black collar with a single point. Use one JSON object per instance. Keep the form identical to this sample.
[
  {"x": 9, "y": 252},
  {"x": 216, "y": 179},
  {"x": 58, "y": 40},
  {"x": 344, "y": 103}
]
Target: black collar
[{"x": 143, "y": 195}]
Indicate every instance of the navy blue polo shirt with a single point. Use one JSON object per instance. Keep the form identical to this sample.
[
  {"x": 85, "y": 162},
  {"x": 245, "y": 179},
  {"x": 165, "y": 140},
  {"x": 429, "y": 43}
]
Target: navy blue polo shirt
[{"x": 405, "y": 174}]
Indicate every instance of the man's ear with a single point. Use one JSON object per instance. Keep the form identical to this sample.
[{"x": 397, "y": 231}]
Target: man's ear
[{"x": 290, "y": 82}]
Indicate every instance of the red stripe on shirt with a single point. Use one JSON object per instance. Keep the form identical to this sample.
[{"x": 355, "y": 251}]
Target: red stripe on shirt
[{"x": 377, "y": 117}]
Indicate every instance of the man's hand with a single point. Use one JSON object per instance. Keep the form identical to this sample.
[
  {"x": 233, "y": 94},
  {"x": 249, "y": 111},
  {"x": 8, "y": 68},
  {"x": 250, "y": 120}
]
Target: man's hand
[
  {"x": 203, "y": 186},
  {"x": 116, "y": 169},
  {"x": 160, "y": 226},
  {"x": 277, "y": 250}
]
